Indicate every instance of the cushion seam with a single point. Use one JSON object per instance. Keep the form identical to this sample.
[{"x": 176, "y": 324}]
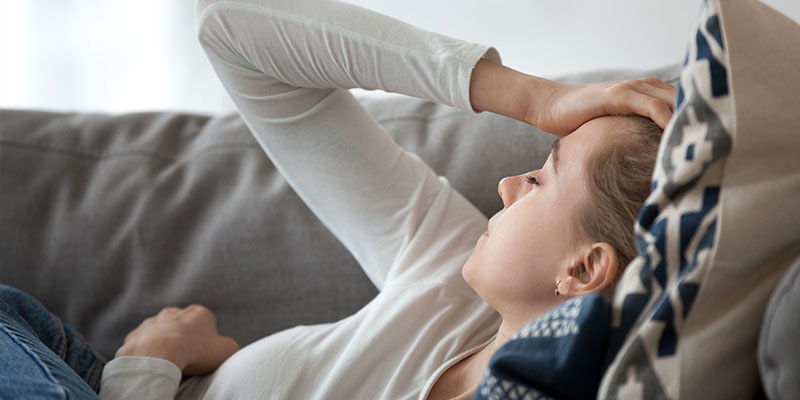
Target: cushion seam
[{"x": 104, "y": 156}]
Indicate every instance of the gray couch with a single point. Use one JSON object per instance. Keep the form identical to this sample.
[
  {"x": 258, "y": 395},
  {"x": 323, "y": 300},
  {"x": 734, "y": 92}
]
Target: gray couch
[{"x": 108, "y": 218}]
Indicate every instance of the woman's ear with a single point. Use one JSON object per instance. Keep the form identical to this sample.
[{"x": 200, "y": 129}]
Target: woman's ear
[{"x": 593, "y": 272}]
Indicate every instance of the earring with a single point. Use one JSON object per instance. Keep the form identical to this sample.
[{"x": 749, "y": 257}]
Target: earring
[{"x": 556, "y": 290}]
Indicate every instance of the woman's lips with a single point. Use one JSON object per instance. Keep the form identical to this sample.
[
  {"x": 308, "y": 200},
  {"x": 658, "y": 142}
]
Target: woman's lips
[{"x": 485, "y": 233}]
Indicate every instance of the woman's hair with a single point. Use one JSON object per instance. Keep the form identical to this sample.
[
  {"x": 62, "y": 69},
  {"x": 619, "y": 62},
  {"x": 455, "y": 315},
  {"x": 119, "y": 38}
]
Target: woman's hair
[{"x": 618, "y": 185}]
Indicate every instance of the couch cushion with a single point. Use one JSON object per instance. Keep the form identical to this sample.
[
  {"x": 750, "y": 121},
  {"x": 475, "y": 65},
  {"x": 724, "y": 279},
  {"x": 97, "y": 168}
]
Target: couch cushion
[
  {"x": 722, "y": 223},
  {"x": 778, "y": 352},
  {"x": 108, "y": 218}
]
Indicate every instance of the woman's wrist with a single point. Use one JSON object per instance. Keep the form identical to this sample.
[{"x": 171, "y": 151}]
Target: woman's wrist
[
  {"x": 162, "y": 347},
  {"x": 503, "y": 90}
]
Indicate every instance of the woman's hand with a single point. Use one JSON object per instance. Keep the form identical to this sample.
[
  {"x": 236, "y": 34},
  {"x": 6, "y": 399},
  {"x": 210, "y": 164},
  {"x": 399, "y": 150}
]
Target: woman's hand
[
  {"x": 569, "y": 105},
  {"x": 560, "y": 108},
  {"x": 187, "y": 337}
]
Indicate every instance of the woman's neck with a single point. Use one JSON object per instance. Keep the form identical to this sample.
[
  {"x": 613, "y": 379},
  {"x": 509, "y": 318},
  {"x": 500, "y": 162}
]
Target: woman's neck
[
  {"x": 478, "y": 363},
  {"x": 465, "y": 377},
  {"x": 475, "y": 366}
]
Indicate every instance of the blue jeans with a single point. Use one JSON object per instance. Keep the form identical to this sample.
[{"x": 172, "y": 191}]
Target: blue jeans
[{"x": 40, "y": 357}]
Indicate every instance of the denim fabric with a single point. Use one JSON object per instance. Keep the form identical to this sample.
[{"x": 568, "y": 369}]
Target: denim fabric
[{"x": 41, "y": 357}]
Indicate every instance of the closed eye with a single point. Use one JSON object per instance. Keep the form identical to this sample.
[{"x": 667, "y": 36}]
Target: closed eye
[{"x": 532, "y": 180}]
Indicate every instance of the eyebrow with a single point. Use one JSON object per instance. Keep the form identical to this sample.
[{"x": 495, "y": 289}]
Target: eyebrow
[{"x": 554, "y": 150}]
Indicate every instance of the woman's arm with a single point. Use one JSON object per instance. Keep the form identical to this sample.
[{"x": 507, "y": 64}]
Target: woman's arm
[
  {"x": 285, "y": 64},
  {"x": 560, "y": 108}
]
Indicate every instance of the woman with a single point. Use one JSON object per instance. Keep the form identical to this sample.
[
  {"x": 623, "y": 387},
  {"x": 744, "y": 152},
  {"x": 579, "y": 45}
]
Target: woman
[{"x": 453, "y": 286}]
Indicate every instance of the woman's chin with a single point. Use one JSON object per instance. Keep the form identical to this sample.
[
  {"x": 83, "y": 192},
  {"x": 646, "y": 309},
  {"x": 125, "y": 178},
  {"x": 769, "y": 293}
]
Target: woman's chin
[
  {"x": 466, "y": 270},
  {"x": 470, "y": 271}
]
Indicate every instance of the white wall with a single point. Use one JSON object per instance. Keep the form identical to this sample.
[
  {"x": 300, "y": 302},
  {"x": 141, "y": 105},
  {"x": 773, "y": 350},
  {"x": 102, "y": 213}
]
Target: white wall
[{"x": 131, "y": 55}]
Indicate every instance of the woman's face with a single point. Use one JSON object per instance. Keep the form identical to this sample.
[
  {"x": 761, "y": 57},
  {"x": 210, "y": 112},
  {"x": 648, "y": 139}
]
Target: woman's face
[{"x": 534, "y": 239}]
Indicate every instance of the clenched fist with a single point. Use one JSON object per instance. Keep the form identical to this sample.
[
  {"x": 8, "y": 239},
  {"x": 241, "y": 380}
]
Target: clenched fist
[{"x": 187, "y": 337}]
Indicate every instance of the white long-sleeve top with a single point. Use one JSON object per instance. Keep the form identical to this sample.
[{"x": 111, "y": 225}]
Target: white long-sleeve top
[{"x": 287, "y": 65}]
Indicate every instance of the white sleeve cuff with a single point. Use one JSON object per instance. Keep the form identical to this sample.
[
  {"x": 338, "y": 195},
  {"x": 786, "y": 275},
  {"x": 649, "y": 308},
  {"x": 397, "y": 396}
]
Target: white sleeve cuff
[{"x": 140, "y": 378}]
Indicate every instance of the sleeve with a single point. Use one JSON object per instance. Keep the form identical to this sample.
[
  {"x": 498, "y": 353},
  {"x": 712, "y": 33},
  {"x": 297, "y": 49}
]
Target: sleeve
[
  {"x": 286, "y": 65},
  {"x": 139, "y": 378}
]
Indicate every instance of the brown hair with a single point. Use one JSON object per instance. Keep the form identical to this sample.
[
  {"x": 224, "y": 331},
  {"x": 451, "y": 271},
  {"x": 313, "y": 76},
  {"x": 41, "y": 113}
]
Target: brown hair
[{"x": 618, "y": 185}]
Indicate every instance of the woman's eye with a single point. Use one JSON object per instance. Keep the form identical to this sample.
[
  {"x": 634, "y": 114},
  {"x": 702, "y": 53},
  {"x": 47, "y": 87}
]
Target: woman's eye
[{"x": 532, "y": 180}]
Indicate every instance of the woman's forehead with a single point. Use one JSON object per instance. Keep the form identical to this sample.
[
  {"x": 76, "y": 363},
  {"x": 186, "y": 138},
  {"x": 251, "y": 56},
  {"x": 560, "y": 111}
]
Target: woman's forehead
[
  {"x": 572, "y": 151},
  {"x": 593, "y": 133}
]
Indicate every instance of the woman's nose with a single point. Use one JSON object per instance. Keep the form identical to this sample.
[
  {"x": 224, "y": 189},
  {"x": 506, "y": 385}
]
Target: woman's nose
[
  {"x": 512, "y": 188},
  {"x": 508, "y": 188}
]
